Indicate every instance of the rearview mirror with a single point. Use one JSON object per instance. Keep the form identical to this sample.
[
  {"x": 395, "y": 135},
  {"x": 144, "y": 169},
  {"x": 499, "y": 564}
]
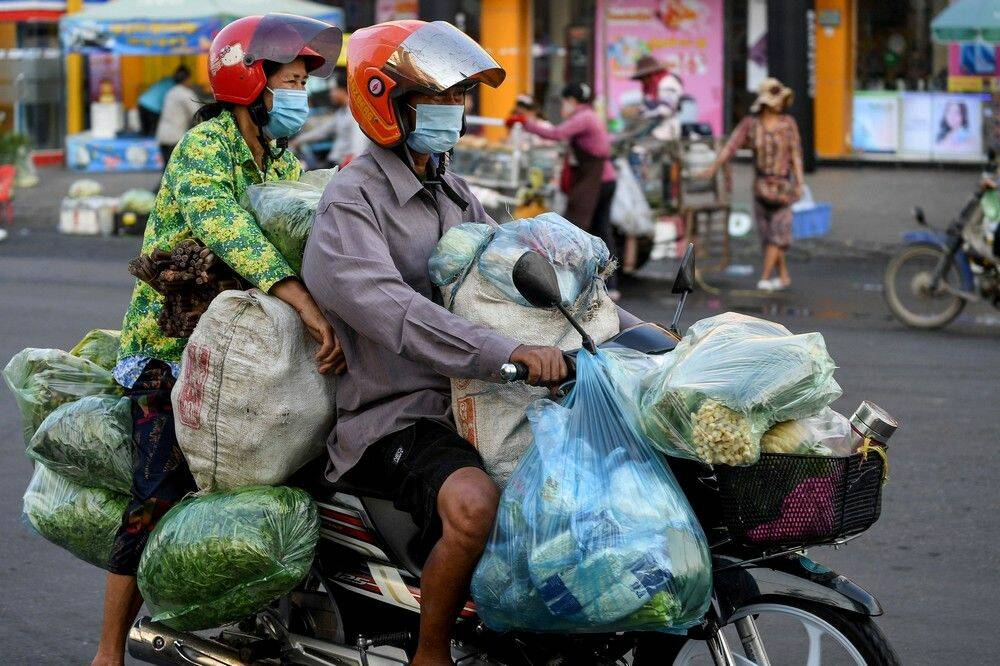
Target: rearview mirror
[
  {"x": 535, "y": 278},
  {"x": 684, "y": 282},
  {"x": 918, "y": 214}
]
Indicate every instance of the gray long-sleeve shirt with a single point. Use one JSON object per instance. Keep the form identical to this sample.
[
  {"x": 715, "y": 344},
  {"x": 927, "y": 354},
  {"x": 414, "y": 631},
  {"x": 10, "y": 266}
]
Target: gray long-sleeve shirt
[{"x": 366, "y": 265}]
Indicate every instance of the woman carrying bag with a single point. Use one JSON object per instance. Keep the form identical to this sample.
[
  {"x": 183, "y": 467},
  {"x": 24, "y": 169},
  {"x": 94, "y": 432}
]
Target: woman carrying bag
[
  {"x": 773, "y": 136},
  {"x": 588, "y": 177}
]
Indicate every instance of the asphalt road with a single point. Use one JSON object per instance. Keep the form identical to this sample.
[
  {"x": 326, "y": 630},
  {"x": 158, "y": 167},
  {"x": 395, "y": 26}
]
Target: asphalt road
[{"x": 931, "y": 560}]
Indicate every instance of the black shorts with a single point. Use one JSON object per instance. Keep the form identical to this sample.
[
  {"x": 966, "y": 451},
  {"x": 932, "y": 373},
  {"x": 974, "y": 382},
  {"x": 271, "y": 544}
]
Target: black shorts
[{"x": 411, "y": 465}]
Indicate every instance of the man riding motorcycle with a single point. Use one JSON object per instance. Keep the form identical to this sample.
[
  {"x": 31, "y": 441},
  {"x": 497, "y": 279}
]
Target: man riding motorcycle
[{"x": 366, "y": 263}]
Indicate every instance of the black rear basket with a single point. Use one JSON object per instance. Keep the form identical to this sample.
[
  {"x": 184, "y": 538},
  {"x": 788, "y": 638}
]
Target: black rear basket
[{"x": 787, "y": 500}]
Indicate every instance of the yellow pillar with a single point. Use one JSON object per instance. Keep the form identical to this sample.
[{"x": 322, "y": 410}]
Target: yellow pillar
[
  {"x": 505, "y": 31},
  {"x": 74, "y": 82},
  {"x": 834, "y": 78}
]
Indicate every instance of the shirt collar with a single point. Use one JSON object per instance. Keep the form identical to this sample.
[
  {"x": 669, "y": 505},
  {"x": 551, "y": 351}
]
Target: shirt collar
[
  {"x": 243, "y": 154},
  {"x": 403, "y": 181}
]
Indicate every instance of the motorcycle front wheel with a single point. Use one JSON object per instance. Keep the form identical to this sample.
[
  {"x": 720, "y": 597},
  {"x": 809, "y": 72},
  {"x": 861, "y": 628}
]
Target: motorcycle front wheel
[
  {"x": 908, "y": 290},
  {"x": 789, "y": 631}
]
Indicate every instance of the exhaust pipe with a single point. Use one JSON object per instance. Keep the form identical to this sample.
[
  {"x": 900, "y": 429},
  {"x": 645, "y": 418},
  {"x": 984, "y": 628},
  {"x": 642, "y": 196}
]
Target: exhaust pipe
[{"x": 155, "y": 643}]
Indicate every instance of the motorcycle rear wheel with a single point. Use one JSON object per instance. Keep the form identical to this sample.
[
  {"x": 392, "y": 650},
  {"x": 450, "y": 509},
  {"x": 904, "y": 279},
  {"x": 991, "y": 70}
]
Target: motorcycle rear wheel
[
  {"x": 854, "y": 639},
  {"x": 907, "y": 289}
]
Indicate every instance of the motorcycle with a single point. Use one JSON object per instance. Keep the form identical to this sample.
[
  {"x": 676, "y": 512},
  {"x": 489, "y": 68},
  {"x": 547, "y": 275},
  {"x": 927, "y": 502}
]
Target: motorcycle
[
  {"x": 360, "y": 604},
  {"x": 929, "y": 283}
]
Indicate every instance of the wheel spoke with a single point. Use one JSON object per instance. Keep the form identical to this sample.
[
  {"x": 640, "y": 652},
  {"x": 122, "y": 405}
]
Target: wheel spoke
[{"x": 815, "y": 644}]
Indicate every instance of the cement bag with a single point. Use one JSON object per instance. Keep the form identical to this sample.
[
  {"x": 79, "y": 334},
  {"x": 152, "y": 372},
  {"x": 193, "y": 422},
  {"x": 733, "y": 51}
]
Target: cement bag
[
  {"x": 593, "y": 534},
  {"x": 82, "y": 520},
  {"x": 472, "y": 264},
  {"x": 728, "y": 381},
  {"x": 249, "y": 406}
]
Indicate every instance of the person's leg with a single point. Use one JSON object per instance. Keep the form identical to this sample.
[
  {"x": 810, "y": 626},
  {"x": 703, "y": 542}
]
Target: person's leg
[
  {"x": 601, "y": 227},
  {"x": 771, "y": 255},
  {"x": 122, "y": 602},
  {"x": 467, "y": 504},
  {"x": 160, "y": 478},
  {"x": 781, "y": 232}
]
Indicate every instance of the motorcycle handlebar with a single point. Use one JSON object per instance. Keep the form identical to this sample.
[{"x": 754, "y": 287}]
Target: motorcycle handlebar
[{"x": 513, "y": 372}]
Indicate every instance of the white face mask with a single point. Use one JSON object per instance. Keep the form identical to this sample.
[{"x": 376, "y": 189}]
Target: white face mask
[{"x": 567, "y": 107}]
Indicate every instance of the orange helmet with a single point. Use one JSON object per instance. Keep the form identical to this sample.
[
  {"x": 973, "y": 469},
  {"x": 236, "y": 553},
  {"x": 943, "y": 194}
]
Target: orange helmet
[
  {"x": 389, "y": 60},
  {"x": 236, "y": 57}
]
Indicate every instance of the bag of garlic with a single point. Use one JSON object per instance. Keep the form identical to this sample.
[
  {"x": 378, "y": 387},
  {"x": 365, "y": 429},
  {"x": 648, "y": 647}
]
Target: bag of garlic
[
  {"x": 730, "y": 379},
  {"x": 472, "y": 265}
]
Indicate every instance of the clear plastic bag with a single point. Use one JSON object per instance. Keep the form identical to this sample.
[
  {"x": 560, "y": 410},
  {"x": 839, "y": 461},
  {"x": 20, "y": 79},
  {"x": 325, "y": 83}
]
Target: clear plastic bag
[
  {"x": 456, "y": 251},
  {"x": 730, "y": 379},
  {"x": 577, "y": 256},
  {"x": 89, "y": 442},
  {"x": 826, "y": 433},
  {"x": 630, "y": 211},
  {"x": 82, "y": 520},
  {"x": 99, "y": 346},
  {"x": 216, "y": 558},
  {"x": 285, "y": 210},
  {"x": 593, "y": 533},
  {"x": 43, "y": 379}
]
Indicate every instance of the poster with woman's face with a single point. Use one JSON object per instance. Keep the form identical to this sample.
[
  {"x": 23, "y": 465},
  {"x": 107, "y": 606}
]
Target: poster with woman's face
[{"x": 956, "y": 122}]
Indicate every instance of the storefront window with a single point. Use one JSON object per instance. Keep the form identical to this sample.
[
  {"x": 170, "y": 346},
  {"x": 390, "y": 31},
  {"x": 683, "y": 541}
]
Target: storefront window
[
  {"x": 894, "y": 47},
  {"x": 563, "y": 49},
  {"x": 31, "y": 84}
]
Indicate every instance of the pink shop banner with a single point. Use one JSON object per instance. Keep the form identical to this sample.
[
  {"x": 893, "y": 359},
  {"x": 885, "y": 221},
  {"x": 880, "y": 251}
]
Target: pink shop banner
[{"x": 685, "y": 35}]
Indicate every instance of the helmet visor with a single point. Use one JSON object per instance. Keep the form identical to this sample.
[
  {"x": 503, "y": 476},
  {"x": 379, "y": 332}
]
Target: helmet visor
[
  {"x": 438, "y": 56},
  {"x": 283, "y": 37}
]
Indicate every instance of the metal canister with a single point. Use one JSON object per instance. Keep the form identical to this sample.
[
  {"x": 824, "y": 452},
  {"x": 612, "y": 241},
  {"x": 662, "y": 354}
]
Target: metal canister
[{"x": 873, "y": 424}]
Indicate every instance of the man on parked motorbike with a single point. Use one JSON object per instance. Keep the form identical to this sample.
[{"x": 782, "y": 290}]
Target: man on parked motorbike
[
  {"x": 366, "y": 262},
  {"x": 258, "y": 68}
]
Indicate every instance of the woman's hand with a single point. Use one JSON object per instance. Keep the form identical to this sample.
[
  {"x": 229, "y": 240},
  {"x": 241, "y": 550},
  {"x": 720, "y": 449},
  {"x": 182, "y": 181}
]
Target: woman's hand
[
  {"x": 706, "y": 174},
  {"x": 330, "y": 355}
]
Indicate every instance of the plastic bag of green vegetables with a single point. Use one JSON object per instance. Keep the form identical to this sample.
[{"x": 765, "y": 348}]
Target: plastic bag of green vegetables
[
  {"x": 99, "y": 346},
  {"x": 88, "y": 442},
  {"x": 285, "y": 211},
  {"x": 217, "y": 558},
  {"x": 82, "y": 520},
  {"x": 43, "y": 379},
  {"x": 826, "y": 433},
  {"x": 137, "y": 201},
  {"x": 730, "y": 379}
]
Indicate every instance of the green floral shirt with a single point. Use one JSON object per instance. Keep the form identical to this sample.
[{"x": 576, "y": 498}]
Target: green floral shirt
[{"x": 199, "y": 197}]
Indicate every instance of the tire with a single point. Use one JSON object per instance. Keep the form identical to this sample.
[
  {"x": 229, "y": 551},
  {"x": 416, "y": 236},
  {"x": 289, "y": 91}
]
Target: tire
[
  {"x": 897, "y": 294},
  {"x": 859, "y": 630}
]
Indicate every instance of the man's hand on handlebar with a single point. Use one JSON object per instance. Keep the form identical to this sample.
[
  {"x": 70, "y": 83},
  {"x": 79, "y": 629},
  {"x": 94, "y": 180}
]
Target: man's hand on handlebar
[{"x": 546, "y": 365}]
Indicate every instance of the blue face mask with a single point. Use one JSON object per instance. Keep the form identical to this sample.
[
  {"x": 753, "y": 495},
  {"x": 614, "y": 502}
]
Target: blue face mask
[
  {"x": 289, "y": 110},
  {"x": 437, "y": 128}
]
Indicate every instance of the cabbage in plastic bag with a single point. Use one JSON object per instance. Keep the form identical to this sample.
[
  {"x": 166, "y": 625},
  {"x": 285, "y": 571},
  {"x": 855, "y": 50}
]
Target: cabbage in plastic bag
[
  {"x": 82, "y": 520},
  {"x": 216, "y": 558},
  {"x": 99, "y": 346},
  {"x": 826, "y": 433},
  {"x": 137, "y": 201},
  {"x": 43, "y": 379},
  {"x": 285, "y": 210},
  {"x": 89, "y": 442},
  {"x": 456, "y": 251},
  {"x": 593, "y": 533},
  {"x": 730, "y": 379},
  {"x": 577, "y": 256},
  {"x": 83, "y": 188}
]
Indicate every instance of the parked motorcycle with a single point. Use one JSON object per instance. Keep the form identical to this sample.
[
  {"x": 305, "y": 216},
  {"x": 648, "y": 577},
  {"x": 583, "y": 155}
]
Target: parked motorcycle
[
  {"x": 928, "y": 284},
  {"x": 360, "y": 604}
]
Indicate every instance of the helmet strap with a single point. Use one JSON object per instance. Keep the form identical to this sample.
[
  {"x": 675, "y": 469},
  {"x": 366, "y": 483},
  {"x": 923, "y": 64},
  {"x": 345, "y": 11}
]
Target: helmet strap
[{"x": 260, "y": 117}]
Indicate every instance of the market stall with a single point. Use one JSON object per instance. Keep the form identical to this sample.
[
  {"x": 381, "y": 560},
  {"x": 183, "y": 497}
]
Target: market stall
[{"x": 155, "y": 30}]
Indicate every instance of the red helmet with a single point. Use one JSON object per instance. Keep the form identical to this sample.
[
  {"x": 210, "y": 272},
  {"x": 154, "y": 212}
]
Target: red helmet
[
  {"x": 235, "y": 60},
  {"x": 388, "y": 60}
]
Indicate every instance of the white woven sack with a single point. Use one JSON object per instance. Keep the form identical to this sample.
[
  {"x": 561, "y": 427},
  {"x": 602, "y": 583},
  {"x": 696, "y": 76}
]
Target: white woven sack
[
  {"x": 491, "y": 416},
  {"x": 250, "y": 406}
]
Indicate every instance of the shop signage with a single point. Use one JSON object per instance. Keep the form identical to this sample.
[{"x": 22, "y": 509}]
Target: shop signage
[
  {"x": 686, "y": 35},
  {"x": 919, "y": 124},
  {"x": 876, "y": 122}
]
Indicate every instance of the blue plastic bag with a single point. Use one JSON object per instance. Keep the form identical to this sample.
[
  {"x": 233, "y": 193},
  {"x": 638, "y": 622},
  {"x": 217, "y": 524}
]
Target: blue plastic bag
[{"x": 593, "y": 533}]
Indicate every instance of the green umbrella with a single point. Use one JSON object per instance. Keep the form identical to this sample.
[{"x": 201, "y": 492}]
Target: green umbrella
[{"x": 968, "y": 21}]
